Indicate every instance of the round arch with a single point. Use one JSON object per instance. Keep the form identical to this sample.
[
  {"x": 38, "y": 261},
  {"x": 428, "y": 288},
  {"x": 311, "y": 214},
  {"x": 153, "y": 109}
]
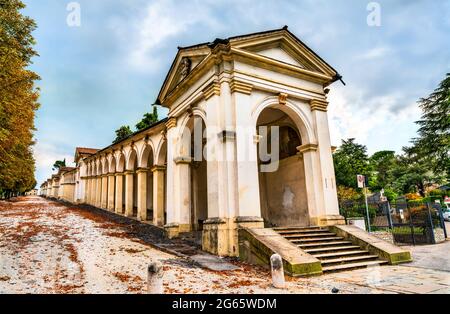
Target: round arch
[
  {"x": 132, "y": 159},
  {"x": 146, "y": 158},
  {"x": 105, "y": 166},
  {"x": 112, "y": 165},
  {"x": 292, "y": 111},
  {"x": 120, "y": 162},
  {"x": 161, "y": 152}
]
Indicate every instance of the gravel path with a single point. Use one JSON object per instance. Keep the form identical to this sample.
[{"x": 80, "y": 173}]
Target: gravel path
[{"x": 47, "y": 247}]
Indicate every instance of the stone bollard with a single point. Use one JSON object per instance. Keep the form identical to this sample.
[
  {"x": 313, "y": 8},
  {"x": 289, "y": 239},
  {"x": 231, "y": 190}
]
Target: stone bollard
[
  {"x": 276, "y": 263},
  {"x": 155, "y": 278}
]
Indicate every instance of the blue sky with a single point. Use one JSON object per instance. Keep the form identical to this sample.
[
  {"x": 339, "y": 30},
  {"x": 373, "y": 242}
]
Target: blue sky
[{"x": 107, "y": 72}]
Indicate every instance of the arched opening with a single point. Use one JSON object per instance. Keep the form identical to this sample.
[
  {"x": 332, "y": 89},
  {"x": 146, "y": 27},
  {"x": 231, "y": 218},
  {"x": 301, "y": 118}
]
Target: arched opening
[
  {"x": 120, "y": 169},
  {"x": 161, "y": 175},
  {"x": 282, "y": 189},
  {"x": 112, "y": 171},
  {"x": 132, "y": 167},
  {"x": 198, "y": 171},
  {"x": 147, "y": 162},
  {"x": 106, "y": 184}
]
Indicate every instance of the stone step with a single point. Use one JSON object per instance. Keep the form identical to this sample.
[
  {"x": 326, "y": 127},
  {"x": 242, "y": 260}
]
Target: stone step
[
  {"x": 318, "y": 239},
  {"x": 332, "y": 255},
  {"x": 309, "y": 235},
  {"x": 329, "y": 244},
  {"x": 306, "y": 231},
  {"x": 332, "y": 249},
  {"x": 352, "y": 266},
  {"x": 296, "y": 228},
  {"x": 349, "y": 259}
]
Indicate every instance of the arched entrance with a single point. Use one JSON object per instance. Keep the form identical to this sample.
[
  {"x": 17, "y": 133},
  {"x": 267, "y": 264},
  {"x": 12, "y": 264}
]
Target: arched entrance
[
  {"x": 194, "y": 145},
  {"x": 147, "y": 161},
  {"x": 283, "y": 193},
  {"x": 131, "y": 185},
  {"x": 120, "y": 185},
  {"x": 159, "y": 172}
]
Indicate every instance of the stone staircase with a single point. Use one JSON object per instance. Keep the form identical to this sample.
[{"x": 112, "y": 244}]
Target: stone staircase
[{"x": 335, "y": 253}]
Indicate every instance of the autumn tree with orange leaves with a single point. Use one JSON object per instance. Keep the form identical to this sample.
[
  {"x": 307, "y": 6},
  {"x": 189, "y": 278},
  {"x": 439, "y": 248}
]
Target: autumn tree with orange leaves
[{"x": 18, "y": 99}]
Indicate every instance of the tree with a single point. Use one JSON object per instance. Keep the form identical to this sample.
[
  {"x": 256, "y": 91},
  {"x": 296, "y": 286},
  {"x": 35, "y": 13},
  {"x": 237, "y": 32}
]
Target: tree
[
  {"x": 434, "y": 133},
  {"x": 148, "y": 120},
  {"x": 122, "y": 133},
  {"x": 350, "y": 160},
  {"x": 413, "y": 173},
  {"x": 18, "y": 98},
  {"x": 383, "y": 164},
  {"x": 59, "y": 164}
]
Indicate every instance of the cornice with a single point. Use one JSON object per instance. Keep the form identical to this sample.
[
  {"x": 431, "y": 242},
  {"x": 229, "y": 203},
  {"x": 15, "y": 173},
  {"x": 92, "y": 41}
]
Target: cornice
[
  {"x": 213, "y": 89},
  {"x": 238, "y": 86},
  {"x": 319, "y": 104},
  {"x": 308, "y": 148},
  {"x": 171, "y": 123}
]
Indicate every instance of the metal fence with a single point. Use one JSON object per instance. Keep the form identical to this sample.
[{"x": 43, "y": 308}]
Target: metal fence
[{"x": 409, "y": 222}]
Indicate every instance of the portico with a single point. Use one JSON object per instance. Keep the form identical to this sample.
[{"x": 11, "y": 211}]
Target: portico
[{"x": 246, "y": 144}]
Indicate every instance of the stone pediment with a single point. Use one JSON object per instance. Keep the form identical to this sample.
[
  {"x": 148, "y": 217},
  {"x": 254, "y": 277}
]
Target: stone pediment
[
  {"x": 285, "y": 48},
  {"x": 184, "y": 63},
  {"x": 278, "y": 49}
]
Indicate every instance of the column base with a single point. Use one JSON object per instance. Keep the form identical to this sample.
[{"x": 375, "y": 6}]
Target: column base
[
  {"x": 174, "y": 230},
  {"x": 220, "y": 235},
  {"x": 330, "y": 220}
]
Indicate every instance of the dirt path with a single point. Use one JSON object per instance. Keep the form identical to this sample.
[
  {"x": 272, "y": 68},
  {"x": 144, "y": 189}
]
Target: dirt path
[{"x": 48, "y": 247}]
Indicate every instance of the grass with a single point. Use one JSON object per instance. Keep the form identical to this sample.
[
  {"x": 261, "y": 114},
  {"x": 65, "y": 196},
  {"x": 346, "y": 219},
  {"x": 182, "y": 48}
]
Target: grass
[{"x": 407, "y": 230}]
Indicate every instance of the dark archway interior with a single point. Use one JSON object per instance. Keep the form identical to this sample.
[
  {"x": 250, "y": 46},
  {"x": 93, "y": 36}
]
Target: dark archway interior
[
  {"x": 283, "y": 191},
  {"x": 199, "y": 179}
]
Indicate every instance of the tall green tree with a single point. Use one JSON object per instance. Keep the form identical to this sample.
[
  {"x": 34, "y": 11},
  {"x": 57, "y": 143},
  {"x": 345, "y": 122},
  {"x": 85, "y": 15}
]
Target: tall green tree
[
  {"x": 148, "y": 120},
  {"x": 433, "y": 142},
  {"x": 18, "y": 98},
  {"x": 59, "y": 164},
  {"x": 122, "y": 133},
  {"x": 350, "y": 159},
  {"x": 413, "y": 173},
  {"x": 383, "y": 163}
]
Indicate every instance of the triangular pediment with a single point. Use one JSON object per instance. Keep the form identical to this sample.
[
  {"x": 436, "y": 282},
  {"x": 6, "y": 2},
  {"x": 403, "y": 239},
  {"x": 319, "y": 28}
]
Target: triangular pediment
[
  {"x": 285, "y": 48},
  {"x": 277, "y": 53},
  {"x": 185, "y": 62},
  {"x": 277, "y": 49}
]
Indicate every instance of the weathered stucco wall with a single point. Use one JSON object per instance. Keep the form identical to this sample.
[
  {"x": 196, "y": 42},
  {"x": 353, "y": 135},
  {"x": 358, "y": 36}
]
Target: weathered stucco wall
[{"x": 283, "y": 196}]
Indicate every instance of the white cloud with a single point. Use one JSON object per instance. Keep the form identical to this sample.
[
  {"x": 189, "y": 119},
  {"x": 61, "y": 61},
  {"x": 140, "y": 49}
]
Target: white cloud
[
  {"x": 375, "y": 53},
  {"x": 352, "y": 115},
  {"x": 45, "y": 155},
  {"x": 161, "y": 21}
]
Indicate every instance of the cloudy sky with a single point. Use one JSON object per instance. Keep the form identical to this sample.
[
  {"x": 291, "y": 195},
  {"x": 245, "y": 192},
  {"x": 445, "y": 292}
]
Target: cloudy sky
[{"x": 107, "y": 72}]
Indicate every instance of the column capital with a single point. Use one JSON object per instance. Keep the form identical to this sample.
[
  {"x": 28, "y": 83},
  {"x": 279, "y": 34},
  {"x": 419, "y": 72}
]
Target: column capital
[
  {"x": 128, "y": 172},
  {"x": 319, "y": 105},
  {"x": 240, "y": 87},
  {"x": 158, "y": 168},
  {"x": 171, "y": 123},
  {"x": 182, "y": 160},
  {"x": 110, "y": 174},
  {"x": 213, "y": 89},
  {"x": 118, "y": 174},
  {"x": 142, "y": 170},
  {"x": 308, "y": 148}
]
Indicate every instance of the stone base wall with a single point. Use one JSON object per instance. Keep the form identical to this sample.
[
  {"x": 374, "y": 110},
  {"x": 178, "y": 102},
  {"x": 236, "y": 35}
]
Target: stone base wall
[
  {"x": 439, "y": 235},
  {"x": 384, "y": 235}
]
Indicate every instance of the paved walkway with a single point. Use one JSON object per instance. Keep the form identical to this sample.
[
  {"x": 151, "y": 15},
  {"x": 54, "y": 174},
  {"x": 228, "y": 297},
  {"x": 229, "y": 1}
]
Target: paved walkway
[{"x": 48, "y": 247}]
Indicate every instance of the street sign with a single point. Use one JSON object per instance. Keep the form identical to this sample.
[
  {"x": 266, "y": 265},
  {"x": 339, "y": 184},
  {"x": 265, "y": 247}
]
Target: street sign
[{"x": 361, "y": 181}]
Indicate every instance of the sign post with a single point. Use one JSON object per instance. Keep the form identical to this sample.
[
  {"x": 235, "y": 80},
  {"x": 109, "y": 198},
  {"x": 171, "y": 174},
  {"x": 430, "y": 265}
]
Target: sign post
[{"x": 362, "y": 184}]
